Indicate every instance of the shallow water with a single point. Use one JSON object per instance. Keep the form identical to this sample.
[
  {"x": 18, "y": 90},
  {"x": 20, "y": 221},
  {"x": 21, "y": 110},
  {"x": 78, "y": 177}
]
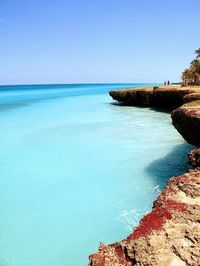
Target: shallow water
[{"x": 76, "y": 170}]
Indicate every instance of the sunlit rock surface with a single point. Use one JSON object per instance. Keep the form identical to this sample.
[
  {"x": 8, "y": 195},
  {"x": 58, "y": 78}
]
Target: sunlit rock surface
[
  {"x": 165, "y": 97},
  {"x": 186, "y": 120}
]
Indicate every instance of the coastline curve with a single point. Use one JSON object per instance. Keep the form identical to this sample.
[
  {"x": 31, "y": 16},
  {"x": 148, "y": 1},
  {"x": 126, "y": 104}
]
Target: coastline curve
[{"x": 170, "y": 234}]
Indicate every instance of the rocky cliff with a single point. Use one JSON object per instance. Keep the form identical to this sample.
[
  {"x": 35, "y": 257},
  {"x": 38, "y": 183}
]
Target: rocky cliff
[
  {"x": 165, "y": 97},
  {"x": 170, "y": 234},
  {"x": 186, "y": 120}
]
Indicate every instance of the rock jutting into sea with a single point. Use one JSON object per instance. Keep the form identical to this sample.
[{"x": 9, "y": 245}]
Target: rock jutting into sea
[
  {"x": 167, "y": 97},
  {"x": 170, "y": 234}
]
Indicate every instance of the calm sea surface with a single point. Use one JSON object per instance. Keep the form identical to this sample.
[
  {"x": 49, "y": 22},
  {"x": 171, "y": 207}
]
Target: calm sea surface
[{"x": 76, "y": 170}]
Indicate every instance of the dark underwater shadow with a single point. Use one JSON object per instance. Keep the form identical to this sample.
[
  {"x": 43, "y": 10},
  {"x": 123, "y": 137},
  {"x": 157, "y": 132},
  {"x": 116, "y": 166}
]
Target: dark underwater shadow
[
  {"x": 173, "y": 164},
  {"x": 161, "y": 109},
  {"x": 156, "y": 109},
  {"x": 7, "y": 107},
  {"x": 119, "y": 104},
  {"x": 26, "y": 102}
]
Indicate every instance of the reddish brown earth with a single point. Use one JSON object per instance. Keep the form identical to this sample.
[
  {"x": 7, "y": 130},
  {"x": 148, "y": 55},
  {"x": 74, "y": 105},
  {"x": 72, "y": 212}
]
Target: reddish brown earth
[{"x": 170, "y": 234}]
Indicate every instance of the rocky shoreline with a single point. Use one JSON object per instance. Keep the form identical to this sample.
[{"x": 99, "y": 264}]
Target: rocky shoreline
[{"x": 170, "y": 234}]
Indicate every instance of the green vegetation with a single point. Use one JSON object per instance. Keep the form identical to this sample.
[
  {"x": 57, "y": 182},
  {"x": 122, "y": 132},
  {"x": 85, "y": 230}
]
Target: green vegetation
[{"x": 191, "y": 75}]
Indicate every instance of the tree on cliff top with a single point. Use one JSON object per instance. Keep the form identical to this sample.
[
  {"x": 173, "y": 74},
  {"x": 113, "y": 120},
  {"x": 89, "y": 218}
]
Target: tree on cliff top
[
  {"x": 197, "y": 52},
  {"x": 191, "y": 75}
]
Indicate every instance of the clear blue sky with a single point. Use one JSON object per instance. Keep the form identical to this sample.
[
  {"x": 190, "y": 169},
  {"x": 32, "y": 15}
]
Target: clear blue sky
[{"x": 83, "y": 41}]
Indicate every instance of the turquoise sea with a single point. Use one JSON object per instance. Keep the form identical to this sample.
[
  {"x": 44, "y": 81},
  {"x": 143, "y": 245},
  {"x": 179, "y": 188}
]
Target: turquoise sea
[{"x": 76, "y": 170}]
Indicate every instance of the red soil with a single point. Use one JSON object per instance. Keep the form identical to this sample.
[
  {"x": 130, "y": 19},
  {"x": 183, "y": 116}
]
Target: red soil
[{"x": 151, "y": 222}]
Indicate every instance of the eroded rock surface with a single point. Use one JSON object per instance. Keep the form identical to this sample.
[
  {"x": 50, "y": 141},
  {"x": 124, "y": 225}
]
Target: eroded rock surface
[
  {"x": 168, "y": 236},
  {"x": 191, "y": 97},
  {"x": 186, "y": 119},
  {"x": 140, "y": 97},
  {"x": 165, "y": 97},
  {"x": 194, "y": 158}
]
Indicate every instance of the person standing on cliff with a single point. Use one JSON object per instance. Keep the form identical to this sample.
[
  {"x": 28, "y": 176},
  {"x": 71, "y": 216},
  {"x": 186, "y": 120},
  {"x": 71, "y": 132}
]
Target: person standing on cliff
[{"x": 168, "y": 82}]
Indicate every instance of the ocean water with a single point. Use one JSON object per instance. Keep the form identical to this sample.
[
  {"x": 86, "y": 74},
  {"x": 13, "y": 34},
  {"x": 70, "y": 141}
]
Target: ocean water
[{"x": 76, "y": 170}]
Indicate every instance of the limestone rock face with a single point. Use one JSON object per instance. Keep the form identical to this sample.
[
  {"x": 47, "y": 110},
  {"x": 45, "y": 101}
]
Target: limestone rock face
[
  {"x": 138, "y": 97},
  {"x": 191, "y": 97},
  {"x": 168, "y": 236},
  {"x": 169, "y": 97},
  {"x": 186, "y": 120}
]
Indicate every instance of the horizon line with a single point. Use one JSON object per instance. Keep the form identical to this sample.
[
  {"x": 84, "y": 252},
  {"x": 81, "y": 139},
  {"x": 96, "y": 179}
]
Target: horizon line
[{"x": 85, "y": 83}]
